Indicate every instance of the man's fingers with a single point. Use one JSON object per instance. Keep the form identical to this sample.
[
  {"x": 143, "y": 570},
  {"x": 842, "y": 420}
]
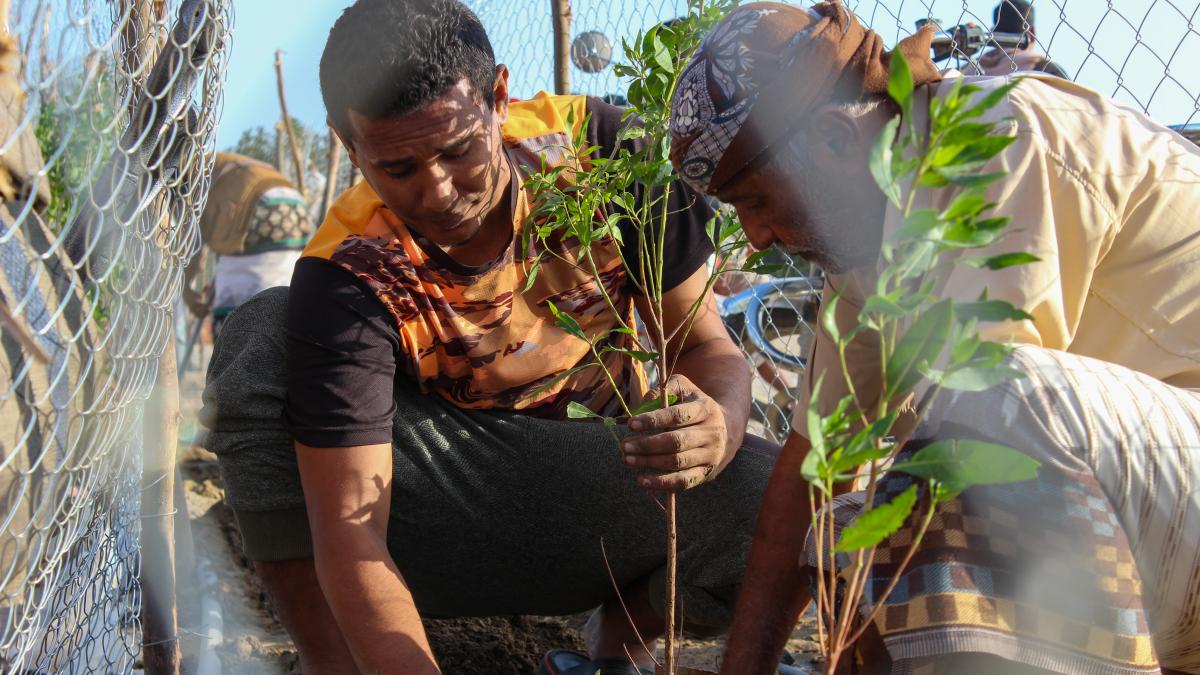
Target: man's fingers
[
  {"x": 672, "y": 442},
  {"x": 675, "y": 482},
  {"x": 673, "y": 462},
  {"x": 665, "y": 419}
]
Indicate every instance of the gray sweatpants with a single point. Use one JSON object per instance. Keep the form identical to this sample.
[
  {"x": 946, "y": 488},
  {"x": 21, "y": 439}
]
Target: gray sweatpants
[{"x": 493, "y": 513}]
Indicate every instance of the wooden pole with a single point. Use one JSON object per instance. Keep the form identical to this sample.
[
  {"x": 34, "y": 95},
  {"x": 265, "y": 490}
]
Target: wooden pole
[
  {"x": 160, "y": 436},
  {"x": 333, "y": 169},
  {"x": 297, "y": 160},
  {"x": 560, "y": 10}
]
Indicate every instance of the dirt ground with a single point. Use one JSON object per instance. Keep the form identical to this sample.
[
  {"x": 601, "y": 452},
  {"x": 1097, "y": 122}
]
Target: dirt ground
[{"x": 255, "y": 643}]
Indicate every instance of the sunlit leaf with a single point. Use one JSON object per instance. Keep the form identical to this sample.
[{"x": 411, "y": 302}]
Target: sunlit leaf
[
  {"x": 656, "y": 403},
  {"x": 999, "y": 262},
  {"x": 878, "y": 304},
  {"x": 958, "y": 464},
  {"x": 566, "y": 322},
  {"x": 877, "y": 524},
  {"x": 631, "y": 132},
  {"x": 578, "y": 411},
  {"x": 900, "y": 84},
  {"x": 975, "y": 378},
  {"x": 880, "y": 161},
  {"x": 829, "y": 318},
  {"x": 560, "y": 377},
  {"x": 989, "y": 310}
]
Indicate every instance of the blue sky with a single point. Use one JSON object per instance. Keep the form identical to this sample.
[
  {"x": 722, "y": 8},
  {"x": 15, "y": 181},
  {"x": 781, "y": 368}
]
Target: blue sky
[{"x": 1132, "y": 39}]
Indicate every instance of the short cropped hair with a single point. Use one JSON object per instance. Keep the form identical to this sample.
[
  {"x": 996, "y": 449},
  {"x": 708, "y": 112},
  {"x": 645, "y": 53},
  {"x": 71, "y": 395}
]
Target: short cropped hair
[
  {"x": 1013, "y": 16},
  {"x": 387, "y": 58}
]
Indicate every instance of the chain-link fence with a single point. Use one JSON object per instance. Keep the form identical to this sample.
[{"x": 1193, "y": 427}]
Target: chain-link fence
[
  {"x": 1142, "y": 52},
  {"x": 108, "y": 110}
]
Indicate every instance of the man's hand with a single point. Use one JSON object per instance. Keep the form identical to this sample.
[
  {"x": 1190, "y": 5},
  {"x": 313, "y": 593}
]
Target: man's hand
[{"x": 688, "y": 441}]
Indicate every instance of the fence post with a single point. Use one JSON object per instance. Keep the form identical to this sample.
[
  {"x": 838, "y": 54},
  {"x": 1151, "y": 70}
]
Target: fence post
[
  {"x": 287, "y": 126},
  {"x": 160, "y": 436},
  {"x": 561, "y": 11}
]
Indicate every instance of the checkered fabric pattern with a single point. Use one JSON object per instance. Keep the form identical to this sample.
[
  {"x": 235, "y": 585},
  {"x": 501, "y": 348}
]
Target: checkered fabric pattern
[
  {"x": 1002, "y": 571},
  {"x": 1040, "y": 572},
  {"x": 280, "y": 222}
]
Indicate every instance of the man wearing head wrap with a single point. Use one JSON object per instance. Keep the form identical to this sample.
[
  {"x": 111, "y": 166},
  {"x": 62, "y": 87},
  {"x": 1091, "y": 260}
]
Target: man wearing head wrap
[{"x": 775, "y": 115}]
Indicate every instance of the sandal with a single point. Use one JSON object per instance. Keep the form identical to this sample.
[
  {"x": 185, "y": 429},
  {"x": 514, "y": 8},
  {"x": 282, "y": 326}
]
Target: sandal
[{"x": 571, "y": 662}]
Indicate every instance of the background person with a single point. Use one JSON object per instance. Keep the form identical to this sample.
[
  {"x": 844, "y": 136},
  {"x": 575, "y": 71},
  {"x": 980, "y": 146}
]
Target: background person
[
  {"x": 1014, "y": 16},
  {"x": 256, "y": 223}
]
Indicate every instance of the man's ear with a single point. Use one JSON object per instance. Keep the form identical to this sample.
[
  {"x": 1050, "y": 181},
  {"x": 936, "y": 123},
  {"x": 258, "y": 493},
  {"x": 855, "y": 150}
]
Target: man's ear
[
  {"x": 835, "y": 136},
  {"x": 349, "y": 146},
  {"x": 500, "y": 93}
]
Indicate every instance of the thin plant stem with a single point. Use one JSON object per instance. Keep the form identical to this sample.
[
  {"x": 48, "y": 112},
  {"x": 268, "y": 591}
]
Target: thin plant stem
[
  {"x": 908, "y": 556},
  {"x": 628, "y": 617}
]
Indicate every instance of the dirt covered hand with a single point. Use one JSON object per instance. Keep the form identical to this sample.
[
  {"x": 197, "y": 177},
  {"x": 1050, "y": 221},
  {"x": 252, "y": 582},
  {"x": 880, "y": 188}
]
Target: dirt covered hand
[{"x": 689, "y": 441}]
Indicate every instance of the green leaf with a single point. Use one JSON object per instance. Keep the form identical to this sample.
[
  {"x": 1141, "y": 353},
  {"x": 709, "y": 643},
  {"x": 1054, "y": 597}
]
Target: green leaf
[
  {"x": 865, "y": 446},
  {"x": 975, "y": 378},
  {"x": 661, "y": 55},
  {"x": 532, "y": 275},
  {"x": 644, "y": 357},
  {"x": 810, "y": 469},
  {"x": 958, "y": 464},
  {"x": 656, "y": 403},
  {"x": 919, "y": 223},
  {"x": 560, "y": 377},
  {"x": 999, "y": 262},
  {"x": 968, "y": 177},
  {"x": 877, "y": 524},
  {"x": 968, "y": 203},
  {"x": 579, "y": 411},
  {"x": 829, "y": 318},
  {"x": 989, "y": 310},
  {"x": 566, "y": 322},
  {"x": 816, "y": 431},
  {"x": 878, "y": 304},
  {"x": 919, "y": 348},
  {"x": 991, "y": 99},
  {"x": 983, "y": 149},
  {"x": 631, "y": 132},
  {"x": 880, "y": 161},
  {"x": 900, "y": 83}
]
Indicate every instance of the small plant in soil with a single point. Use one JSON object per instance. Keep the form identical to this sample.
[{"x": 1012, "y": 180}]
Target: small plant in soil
[{"x": 599, "y": 204}]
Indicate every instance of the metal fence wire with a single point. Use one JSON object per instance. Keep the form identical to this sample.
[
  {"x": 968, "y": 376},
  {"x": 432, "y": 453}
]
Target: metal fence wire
[
  {"x": 108, "y": 110},
  {"x": 1141, "y": 52}
]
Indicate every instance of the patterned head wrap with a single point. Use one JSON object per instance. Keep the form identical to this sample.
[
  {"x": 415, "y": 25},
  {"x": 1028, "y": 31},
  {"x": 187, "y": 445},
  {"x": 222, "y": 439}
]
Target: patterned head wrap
[{"x": 762, "y": 69}]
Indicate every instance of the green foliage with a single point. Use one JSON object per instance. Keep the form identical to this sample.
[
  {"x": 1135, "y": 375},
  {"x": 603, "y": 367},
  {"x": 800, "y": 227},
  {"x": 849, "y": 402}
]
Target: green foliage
[
  {"x": 74, "y": 129},
  {"x": 596, "y": 200},
  {"x": 955, "y": 465},
  {"x": 924, "y": 341},
  {"x": 261, "y": 143}
]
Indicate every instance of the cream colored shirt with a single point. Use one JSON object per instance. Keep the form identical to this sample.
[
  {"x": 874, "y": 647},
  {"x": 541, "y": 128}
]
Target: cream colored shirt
[{"x": 1109, "y": 200}]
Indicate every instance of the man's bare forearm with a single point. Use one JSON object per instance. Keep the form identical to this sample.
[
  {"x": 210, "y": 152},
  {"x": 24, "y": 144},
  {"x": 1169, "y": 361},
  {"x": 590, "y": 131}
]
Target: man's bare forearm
[
  {"x": 348, "y": 492},
  {"x": 373, "y": 606},
  {"x": 774, "y": 591}
]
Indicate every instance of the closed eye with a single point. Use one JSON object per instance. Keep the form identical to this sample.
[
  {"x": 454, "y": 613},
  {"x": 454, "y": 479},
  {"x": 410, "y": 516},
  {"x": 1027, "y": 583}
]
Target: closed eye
[{"x": 457, "y": 151}]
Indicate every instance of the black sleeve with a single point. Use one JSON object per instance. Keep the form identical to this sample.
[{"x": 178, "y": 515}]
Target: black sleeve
[
  {"x": 687, "y": 241},
  {"x": 342, "y": 355}
]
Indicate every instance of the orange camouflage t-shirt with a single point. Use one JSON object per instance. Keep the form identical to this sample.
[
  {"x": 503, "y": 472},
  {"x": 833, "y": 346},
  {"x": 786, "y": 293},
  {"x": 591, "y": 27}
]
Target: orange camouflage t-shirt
[{"x": 368, "y": 287}]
